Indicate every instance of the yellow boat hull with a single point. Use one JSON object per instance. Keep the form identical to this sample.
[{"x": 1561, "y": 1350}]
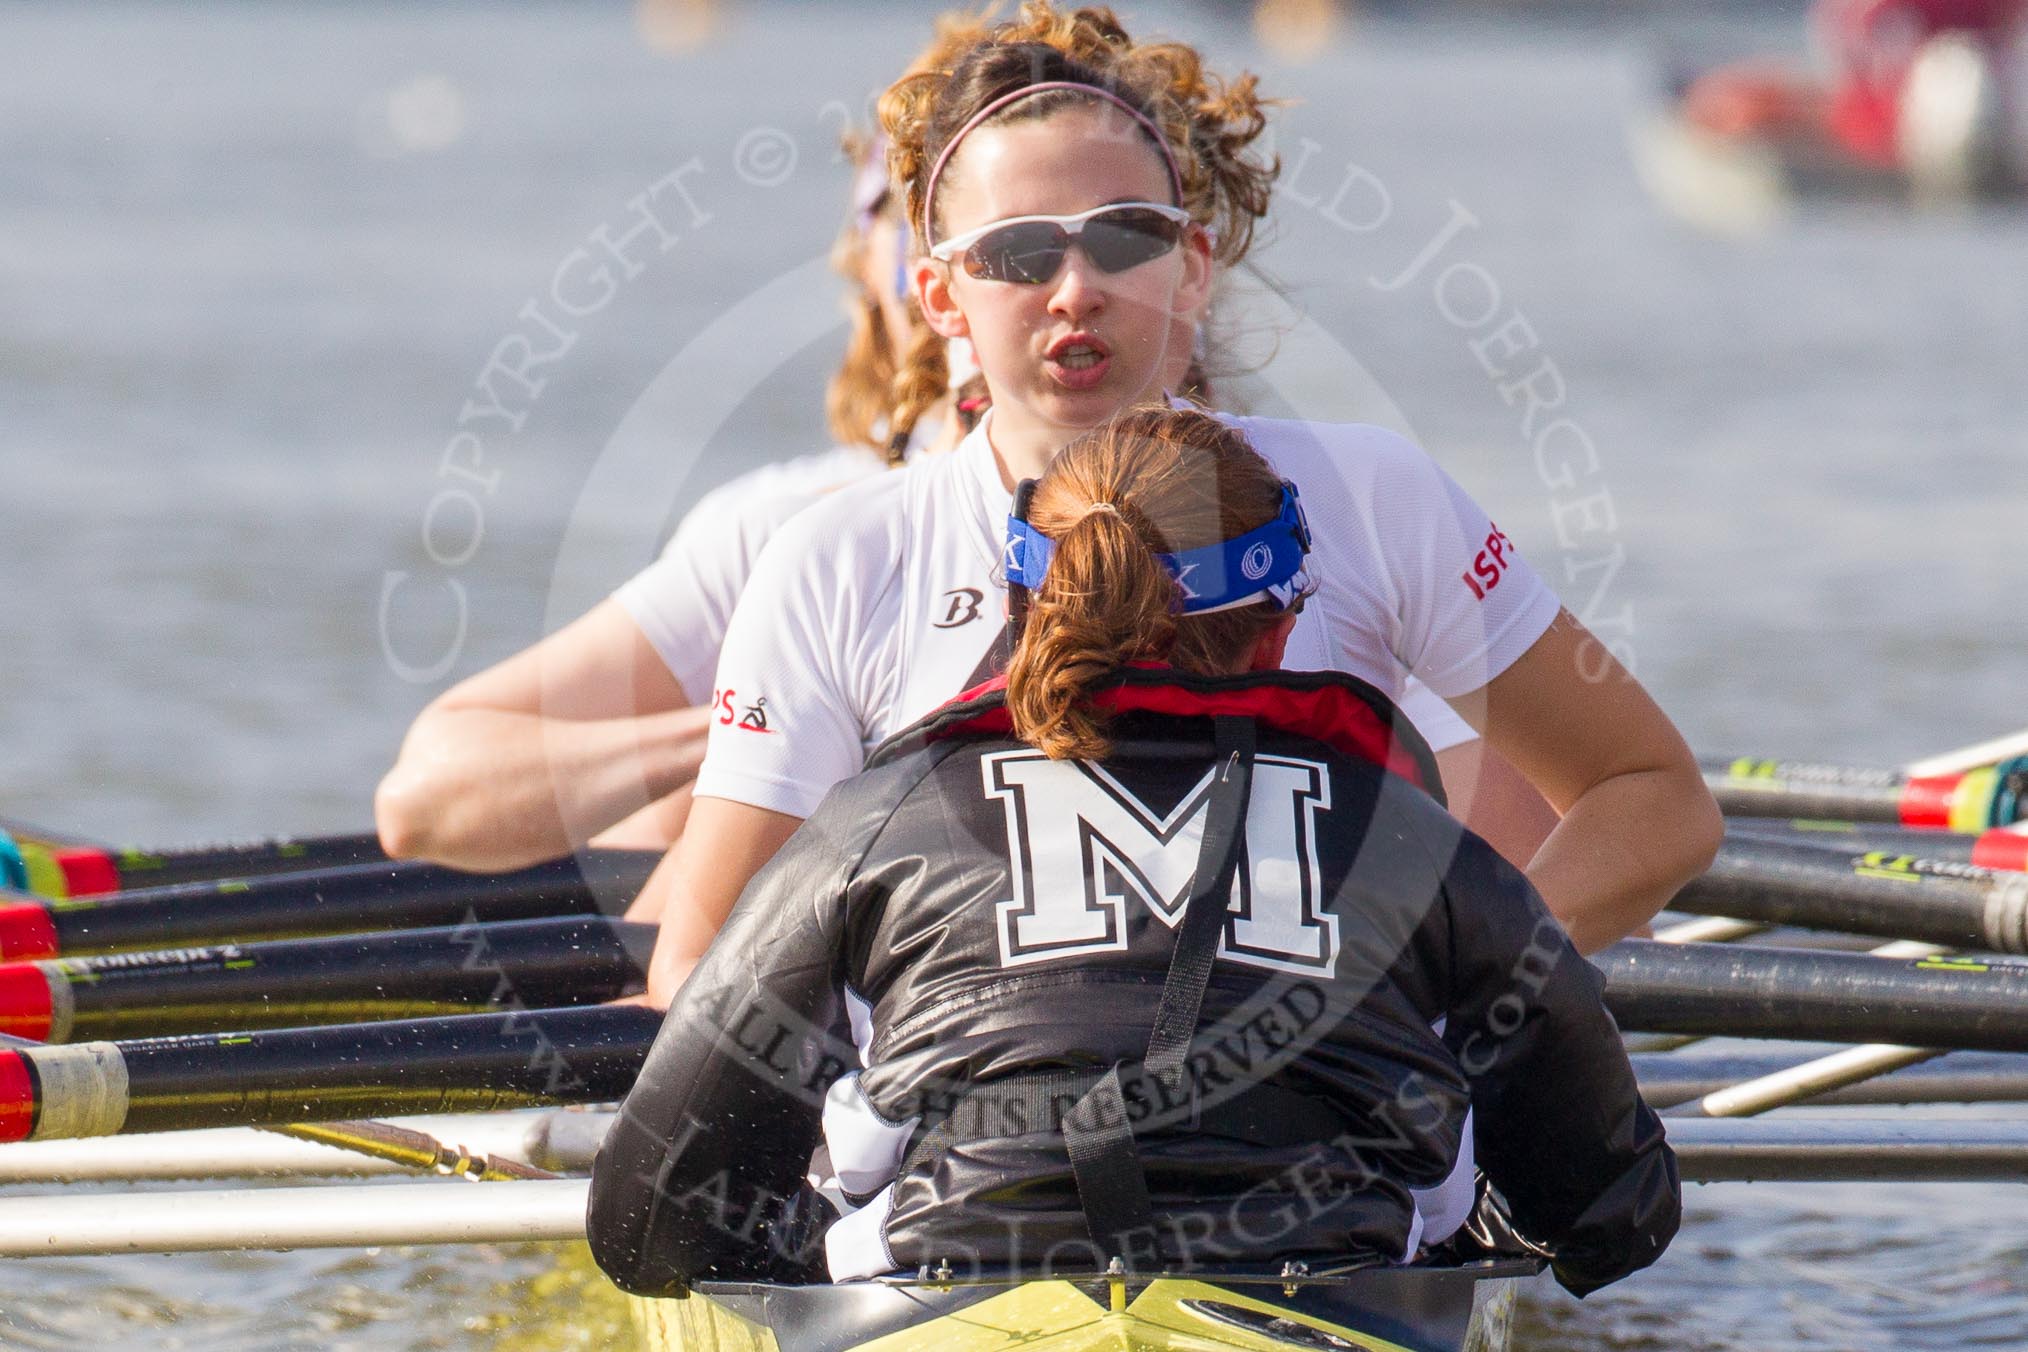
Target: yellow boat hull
[{"x": 1402, "y": 1310}]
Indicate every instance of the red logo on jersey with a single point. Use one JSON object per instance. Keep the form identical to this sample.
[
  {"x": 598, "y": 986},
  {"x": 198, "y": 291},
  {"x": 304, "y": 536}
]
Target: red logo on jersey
[
  {"x": 1489, "y": 565},
  {"x": 751, "y": 717}
]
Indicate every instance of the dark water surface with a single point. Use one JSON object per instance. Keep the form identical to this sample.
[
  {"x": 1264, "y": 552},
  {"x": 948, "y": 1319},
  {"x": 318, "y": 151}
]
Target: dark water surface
[{"x": 254, "y": 260}]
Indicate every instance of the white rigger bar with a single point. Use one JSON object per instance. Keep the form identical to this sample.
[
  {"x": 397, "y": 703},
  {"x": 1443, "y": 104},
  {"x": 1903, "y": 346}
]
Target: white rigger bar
[
  {"x": 335, "y": 1217},
  {"x": 354, "y": 1215},
  {"x": 1798, "y": 1084},
  {"x": 560, "y": 1141},
  {"x": 1971, "y": 757}
]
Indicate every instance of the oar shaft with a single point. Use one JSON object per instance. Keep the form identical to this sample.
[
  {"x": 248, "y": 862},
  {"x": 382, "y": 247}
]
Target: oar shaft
[
  {"x": 1956, "y": 905},
  {"x": 1721, "y": 990},
  {"x": 1890, "y": 1150},
  {"x": 68, "y": 868},
  {"x": 1765, "y": 788},
  {"x": 532, "y": 964},
  {"x": 462, "y": 1063},
  {"x": 328, "y": 901},
  {"x": 2001, "y": 848}
]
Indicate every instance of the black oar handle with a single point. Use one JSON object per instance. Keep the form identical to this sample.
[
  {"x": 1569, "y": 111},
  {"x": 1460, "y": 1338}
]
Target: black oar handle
[
  {"x": 405, "y": 895},
  {"x": 530, "y": 964},
  {"x": 1955, "y": 905},
  {"x": 1721, "y": 990},
  {"x": 470, "y": 1062}
]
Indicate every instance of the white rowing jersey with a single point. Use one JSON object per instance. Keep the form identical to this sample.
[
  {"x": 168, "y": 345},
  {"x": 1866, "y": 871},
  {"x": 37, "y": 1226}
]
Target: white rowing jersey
[
  {"x": 684, "y": 600},
  {"x": 878, "y": 604}
]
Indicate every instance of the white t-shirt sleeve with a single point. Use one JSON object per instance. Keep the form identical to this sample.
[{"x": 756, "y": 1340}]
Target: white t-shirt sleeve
[
  {"x": 1466, "y": 604},
  {"x": 796, "y": 671},
  {"x": 1440, "y": 725},
  {"x": 684, "y": 600}
]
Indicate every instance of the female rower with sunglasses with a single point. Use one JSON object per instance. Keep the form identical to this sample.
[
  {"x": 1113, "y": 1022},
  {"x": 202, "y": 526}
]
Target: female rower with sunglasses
[
  {"x": 596, "y": 730},
  {"x": 1059, "y": 149},
  {"x": 1047, "y": 1077}
]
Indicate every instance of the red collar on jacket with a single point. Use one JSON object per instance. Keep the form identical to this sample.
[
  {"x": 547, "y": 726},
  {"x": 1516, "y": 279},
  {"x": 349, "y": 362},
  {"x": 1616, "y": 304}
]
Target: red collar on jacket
[{"x": 1343, "y": 712}]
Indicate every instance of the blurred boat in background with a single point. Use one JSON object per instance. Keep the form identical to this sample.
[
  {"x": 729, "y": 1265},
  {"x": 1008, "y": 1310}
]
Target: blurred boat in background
[{"x": 1925, "y": 102}]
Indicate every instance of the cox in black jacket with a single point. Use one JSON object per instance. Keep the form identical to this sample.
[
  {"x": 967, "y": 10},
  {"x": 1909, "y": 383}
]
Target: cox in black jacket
[{"x": 994, "y": 914}]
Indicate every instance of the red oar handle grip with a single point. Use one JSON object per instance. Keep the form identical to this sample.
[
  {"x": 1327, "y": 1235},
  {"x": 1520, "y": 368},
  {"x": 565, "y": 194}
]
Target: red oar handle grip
[{"x": 26, "y": 932}]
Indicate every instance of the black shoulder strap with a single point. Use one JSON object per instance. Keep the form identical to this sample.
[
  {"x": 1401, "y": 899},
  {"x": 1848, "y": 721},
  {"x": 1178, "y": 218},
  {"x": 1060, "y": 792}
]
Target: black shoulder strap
[
  {"x": 1111, "y": 1186},
  {"x": 995, "y": 659},
  {"x": 1210, "y": 888}
]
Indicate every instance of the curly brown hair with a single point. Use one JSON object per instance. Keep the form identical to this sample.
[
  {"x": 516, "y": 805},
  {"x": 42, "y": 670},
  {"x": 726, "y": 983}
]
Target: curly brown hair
[
  {"x": 1152, "y": 480},
  {"x": 1210, "y": 125},
  {"x": 859, "y": 401},
  {"x": 856, "y": 399}
]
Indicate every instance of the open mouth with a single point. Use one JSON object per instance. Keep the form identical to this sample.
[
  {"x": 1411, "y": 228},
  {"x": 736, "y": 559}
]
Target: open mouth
[{"x": 1078, "y": 361}]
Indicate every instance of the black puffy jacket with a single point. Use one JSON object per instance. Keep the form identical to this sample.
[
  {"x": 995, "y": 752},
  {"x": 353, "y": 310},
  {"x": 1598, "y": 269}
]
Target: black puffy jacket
[{"x": 1001, "y": 914}]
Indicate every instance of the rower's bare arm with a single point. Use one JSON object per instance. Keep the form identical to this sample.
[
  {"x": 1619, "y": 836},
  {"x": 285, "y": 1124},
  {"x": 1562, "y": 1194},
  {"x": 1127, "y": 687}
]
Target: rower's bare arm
[
  {"x": 1496, "y": 800},
  {"x": 654, "y": 827},
  {"x": 532, "y": 758},
  {"x": 1638, "y": 822},
  {"x": 694, "y": 888}
]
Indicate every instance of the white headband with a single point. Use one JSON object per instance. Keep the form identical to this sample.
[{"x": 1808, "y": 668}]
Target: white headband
[{"x": 929, "y": 192}]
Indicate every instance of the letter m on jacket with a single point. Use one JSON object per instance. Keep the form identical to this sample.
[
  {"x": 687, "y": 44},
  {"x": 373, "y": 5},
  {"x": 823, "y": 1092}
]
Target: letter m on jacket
[{"x": 1082, "y": 849}]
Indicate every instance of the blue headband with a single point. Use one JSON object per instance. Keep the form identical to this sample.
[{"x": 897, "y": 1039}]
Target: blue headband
[{"x": 1263, "y": 563}]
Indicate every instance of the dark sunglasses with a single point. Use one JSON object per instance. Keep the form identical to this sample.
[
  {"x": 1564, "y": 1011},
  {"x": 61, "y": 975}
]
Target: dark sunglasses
[{"x": 1030, "y": 249}]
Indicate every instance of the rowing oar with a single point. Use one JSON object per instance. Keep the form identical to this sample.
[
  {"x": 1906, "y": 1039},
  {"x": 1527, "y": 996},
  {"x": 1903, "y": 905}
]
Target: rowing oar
[
  {"x": 1721, "y": 930},
  {"x": 1892, "y": 896},
  {"x": 406, "y": 895},
  {"x": 61, "y": 866},
  {"x": 1721, "y": 990},
  {"x": 1870, "y": 1150},
  {"x": 1669, "y": 1079},
  {"x": 459, "y": 1063},
  {"x": 290, "y": 983},
  {"x": 1970, "y": 801},
  {"x": 2001, "y": 847},
  {"x": 1810, "y": 1080}
]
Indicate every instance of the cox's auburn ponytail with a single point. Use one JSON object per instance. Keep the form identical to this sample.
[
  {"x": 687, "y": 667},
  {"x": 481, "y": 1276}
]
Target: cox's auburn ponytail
[{"x": 1153, "y": 480}]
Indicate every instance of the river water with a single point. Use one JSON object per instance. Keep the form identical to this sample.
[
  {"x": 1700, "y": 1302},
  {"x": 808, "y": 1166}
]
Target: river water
[{"x": 256, "y": 262}]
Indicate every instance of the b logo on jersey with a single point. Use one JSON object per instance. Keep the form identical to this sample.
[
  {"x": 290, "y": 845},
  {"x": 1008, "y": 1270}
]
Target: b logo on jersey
[
  {"x": 1082, "y": 848},
  {"x": 963, "y": 608}
]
